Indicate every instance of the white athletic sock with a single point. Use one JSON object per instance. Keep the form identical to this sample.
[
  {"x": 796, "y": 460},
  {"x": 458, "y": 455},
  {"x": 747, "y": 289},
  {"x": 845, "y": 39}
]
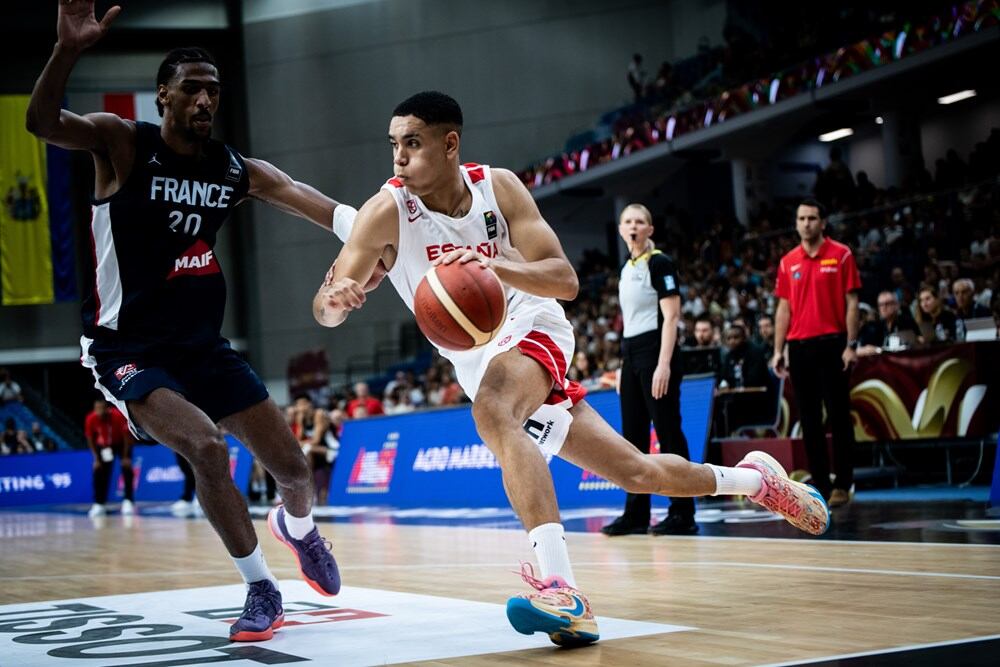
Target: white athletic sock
[
  {"x": 735, "y": 481},
  {"x": 298, "y": 528},
  {"x": 550, "y": 550},
  {"x": 253, "y": 568}
]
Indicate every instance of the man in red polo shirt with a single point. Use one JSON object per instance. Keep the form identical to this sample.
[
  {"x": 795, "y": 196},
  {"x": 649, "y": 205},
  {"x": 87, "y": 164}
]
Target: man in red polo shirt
[
  {"x": 817, "y": 314},
  {"x": 108, "y": 436}
]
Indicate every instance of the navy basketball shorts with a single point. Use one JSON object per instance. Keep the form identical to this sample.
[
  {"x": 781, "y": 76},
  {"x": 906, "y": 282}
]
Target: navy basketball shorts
[{"x": 214, "y": 377}]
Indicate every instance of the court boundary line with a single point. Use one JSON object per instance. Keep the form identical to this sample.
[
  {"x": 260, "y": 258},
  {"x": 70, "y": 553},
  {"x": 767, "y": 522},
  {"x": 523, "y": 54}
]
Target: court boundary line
[
  {"x": 898, "y": 649},
  {"x": 579, "y": 565}
]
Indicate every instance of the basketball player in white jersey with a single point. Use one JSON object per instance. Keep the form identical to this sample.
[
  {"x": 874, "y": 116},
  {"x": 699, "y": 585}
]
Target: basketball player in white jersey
[{"x": 437, "y": 210}]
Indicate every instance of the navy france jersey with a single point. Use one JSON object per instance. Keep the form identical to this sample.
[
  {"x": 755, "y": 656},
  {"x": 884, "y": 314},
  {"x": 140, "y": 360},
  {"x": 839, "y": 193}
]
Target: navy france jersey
[{"x": 158, "y": 281}]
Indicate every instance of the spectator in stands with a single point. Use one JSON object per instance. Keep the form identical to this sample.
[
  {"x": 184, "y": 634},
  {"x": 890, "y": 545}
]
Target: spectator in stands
[
  {"x": 8, "y": 443},
  {"x": 817, "y": 313},
  {"x": 636, "y": 77},
  {"x": 694, "y": 305},
  {"x": 313, "y": 430},
  {"x": 743, "y": 363},
  {"x": 865, "y": 192},
  {"x": 869, "y": 238},
  {"x": 371, "y": 405},
  {"x": 400, "y": 401},
  {"x": 108, "y": 436},
  {"x": 765, "y": 334},
  {"x": 584, "y": 370},
  {"x": 937, "y": 323},
  {"x": 39, "y": 441},
  {"x": 451, "y": 391},
  {"x": 24, "y": 445},
  {"x": 893, "y": 330},
  {"x": 835, "y": 183},
  {"x": 704, "y": 331},
  {"x": 744, "y": 366},
  {"x": 966, "y": 308},
  {"x": 9, "y": 390}
]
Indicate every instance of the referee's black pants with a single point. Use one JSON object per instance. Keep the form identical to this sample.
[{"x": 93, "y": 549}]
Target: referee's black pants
[
  {"x": 639, "y": 356},
  {"x": 818, "y": 377}
]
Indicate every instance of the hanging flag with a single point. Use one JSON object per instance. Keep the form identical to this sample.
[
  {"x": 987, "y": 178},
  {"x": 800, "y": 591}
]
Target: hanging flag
[
  {"x": 133, "y": 106},
  {"x": 37, "y": 256},
  {"x": 25, "y": 244}
]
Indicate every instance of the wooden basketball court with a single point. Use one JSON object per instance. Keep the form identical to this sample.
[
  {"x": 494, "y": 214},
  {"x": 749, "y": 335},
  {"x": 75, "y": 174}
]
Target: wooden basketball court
[{"x": 747, "y": 601}]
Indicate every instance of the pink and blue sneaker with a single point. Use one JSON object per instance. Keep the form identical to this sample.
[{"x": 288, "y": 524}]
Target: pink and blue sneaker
[
  {"x": 262, "y": 614},
  {"x": 316, "y": 563},
  {"x": 801, "y": 505},
  {"x": 555, "y": 608}
]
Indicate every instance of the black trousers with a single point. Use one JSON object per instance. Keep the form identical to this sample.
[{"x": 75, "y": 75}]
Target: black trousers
[
  {"x": 818, "y": 378},
  {"x": 102, "y": 477},
  {"x": 639, "y": 356}
]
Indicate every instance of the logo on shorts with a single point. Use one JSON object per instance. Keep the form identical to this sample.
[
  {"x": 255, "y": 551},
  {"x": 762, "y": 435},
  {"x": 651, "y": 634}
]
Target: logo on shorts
[
  {"x": 126, "y": 373},
  {"x": 539, "y": 431},
  {"x": 505, "y": 340},
  {"x": 490, "y": 219}
]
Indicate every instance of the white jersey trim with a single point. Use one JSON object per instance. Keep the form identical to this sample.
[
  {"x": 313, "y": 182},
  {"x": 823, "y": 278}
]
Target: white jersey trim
[{"x": 108, "y": 283}]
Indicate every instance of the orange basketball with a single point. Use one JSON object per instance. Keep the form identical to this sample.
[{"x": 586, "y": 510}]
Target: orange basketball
[{"x": 460, "y": 306}]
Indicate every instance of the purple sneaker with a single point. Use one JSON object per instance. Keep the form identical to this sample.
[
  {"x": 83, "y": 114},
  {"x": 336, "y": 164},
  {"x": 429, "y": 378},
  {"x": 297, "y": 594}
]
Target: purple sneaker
[
  {"x": 262, "y": 614},
  {"x": 316, "y": 563}
]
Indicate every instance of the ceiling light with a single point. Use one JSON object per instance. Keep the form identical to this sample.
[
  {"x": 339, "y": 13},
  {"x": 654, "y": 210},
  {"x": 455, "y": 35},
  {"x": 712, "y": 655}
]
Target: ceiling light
[
  {"x": 878, "y": 120},
  {"x": 957, "y": 97},
  {"x": 836, "y": 134}
]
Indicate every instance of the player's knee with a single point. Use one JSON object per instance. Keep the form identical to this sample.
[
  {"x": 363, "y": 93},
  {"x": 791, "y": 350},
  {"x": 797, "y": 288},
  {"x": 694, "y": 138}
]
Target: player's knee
[
  {"x": 205, "y": 451},
  {"x": 294, "y": 471},
  {"x": 490, "y": 415}
]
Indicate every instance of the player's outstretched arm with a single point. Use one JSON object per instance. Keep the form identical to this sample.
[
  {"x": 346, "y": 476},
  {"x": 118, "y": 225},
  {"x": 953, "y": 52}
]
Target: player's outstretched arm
[
  {"x": 77, "y": 29},
  {"x": 358, "y": 266},
  {"x": 273, "y": 186},
  {"x": 545, "y": 270}
]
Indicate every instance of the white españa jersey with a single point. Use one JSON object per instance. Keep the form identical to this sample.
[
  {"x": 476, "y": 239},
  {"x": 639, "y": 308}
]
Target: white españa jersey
[
  {"x": 537, "y": 325},
  {"x": 425, "y": 235}
]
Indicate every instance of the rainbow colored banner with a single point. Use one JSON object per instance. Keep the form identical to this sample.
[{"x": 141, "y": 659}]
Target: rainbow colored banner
[{"x": 36, "y": 233}]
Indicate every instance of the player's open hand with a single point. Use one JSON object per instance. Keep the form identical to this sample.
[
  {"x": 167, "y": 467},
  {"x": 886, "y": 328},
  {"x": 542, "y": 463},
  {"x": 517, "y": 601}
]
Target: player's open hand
[
  {"x": 463, "y": 256},
  {"x": 78, "y": 28}
]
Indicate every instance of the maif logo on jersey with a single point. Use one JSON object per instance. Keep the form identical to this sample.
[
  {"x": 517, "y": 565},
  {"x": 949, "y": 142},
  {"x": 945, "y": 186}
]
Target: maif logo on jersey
[{"x": 198, "y": 260}]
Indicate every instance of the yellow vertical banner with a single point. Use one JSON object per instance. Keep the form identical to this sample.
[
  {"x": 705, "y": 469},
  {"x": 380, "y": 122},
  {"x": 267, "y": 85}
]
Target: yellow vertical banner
[{"x": 25, "y": 245}]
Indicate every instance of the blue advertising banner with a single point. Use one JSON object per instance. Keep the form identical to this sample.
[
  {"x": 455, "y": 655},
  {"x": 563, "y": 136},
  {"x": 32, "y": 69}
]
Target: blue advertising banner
[
  {"x": 44, "y": 479},
  {"x": 66, "y": 478},
  {"x": 437, "y": 459}
]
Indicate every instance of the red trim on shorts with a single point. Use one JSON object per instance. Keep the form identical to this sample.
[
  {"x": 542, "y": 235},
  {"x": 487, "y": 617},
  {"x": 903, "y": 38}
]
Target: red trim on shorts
[{"x": 544, "y": 350}]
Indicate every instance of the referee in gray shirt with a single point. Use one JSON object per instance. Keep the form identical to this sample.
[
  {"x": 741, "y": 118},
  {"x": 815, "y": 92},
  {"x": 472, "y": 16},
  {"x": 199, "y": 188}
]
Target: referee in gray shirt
[{"x": 652, "y": 368}]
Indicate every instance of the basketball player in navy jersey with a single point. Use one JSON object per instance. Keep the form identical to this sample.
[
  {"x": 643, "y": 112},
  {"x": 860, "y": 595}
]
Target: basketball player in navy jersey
[
  {"x": 152, "y": 324},
  {"x": 434, "y": 204}
]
